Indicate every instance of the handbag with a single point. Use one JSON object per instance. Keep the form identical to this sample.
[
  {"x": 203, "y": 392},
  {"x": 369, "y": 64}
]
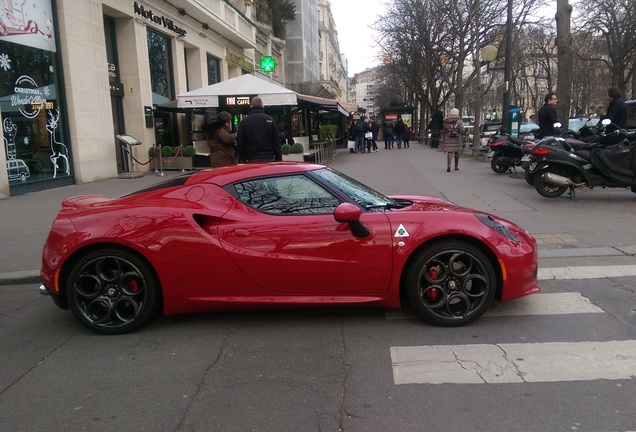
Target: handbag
[
  {"x": 351, "y": 144},
  {"x": 368, "y": 135}
]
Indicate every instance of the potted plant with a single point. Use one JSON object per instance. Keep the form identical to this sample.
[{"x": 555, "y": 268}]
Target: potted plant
[{"x": 293, "y": 153}]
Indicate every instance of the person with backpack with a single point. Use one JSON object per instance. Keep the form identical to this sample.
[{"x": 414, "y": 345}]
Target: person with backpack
[
  {"x": 451, "y": 138},
  {"x": 359, "y": 134}
]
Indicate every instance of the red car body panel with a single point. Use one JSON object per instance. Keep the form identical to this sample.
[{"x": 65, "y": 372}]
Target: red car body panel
[{"x": 211, "y": 251}]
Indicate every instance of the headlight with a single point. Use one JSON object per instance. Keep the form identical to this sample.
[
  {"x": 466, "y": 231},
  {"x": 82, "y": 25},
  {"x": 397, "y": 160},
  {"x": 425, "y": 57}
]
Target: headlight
[{"x": 493, "y": 224}]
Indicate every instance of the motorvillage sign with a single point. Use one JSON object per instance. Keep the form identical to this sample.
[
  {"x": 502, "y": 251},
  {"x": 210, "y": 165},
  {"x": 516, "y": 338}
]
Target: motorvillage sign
[{"x": 160, "y": 20}]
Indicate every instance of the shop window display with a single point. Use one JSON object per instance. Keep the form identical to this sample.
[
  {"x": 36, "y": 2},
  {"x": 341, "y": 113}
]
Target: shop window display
[{"x": 32, "y": 116}]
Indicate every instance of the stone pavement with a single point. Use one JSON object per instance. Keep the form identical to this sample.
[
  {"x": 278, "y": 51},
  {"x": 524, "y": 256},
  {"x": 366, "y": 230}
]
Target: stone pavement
[{"x": 563, "y": 228}]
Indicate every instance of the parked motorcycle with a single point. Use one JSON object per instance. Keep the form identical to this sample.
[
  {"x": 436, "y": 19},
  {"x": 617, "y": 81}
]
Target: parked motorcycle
[
  {"x": 610, "y": 162},
  {"x": 507, "y": 151},
  {"x": 577, "y": 140}
]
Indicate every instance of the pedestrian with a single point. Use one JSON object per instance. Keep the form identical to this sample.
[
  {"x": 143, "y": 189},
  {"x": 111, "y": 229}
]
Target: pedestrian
[
  {"x": 547, "y": 116},
  {"x": 399, "y": 132},
  {"x": 351, "y": 136},
  {"x": 451, "y": 138},
  {"x": 221, "y": 142},
  {"x": 368, "y": 135},
  {"x": 387, "y": 131},
  {"x": 435, "y": 126},
  {"x": 406, "y": 136},
  {"x": 375, "y": 128},
  {"x": 359, "y": 134},
  {"x": 616, "y": 110},
  {"x": 258, "y": 139}
]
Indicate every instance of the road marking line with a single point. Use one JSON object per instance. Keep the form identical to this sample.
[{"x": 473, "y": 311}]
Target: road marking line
[
  {"x": 587, "y": 272},
  {"x": 514, "y": 363},
  {"x": 535, "y": 304}
]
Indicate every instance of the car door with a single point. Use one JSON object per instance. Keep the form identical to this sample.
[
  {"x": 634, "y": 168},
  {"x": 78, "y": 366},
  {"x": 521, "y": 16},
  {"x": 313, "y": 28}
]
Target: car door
[{"x": 283, "y": 236}]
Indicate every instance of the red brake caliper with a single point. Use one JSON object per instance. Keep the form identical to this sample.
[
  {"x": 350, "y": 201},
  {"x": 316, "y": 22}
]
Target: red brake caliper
[{"x": 432, "y": 293}]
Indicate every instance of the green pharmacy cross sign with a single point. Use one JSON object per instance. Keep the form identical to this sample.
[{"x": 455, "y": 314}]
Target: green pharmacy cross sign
[{"x": 268, "y": 64}]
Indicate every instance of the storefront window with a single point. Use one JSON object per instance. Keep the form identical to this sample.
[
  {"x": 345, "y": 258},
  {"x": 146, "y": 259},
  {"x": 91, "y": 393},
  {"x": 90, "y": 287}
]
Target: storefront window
[
  {"x": 32, "y": 116},
  {"x": 160, "y": 57}
]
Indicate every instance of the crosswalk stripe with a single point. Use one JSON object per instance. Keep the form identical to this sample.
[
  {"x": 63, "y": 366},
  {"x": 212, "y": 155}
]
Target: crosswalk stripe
[
  {"x": 587, "y": 272},
  {"x": 536, "y": 304},
  {"x": 514, "y": 363}
]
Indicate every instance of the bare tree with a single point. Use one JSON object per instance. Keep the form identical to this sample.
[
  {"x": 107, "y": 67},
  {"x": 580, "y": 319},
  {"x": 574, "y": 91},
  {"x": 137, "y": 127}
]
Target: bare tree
[{"x": 615, "y": 22}]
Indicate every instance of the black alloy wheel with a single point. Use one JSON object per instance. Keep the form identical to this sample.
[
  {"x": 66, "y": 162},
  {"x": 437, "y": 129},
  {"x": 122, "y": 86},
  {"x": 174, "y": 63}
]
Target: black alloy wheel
[
  {"x": 112, "y": 291},
  {"x": 450, "y": 283}
]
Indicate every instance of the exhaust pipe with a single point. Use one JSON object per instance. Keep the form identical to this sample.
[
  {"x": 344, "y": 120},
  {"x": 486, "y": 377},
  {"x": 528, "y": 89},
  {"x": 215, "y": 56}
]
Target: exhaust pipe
[
  {"x": 557, "y": 180},
  {"x": 43, "y": 290}
]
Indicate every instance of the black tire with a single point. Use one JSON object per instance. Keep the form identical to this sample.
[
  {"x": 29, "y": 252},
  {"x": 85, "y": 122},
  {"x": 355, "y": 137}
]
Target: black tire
[
  {"x": 547, "y": 190},
  {"x": 450, "y": 283},
  {"x": 496, "y": 164},
  {"x": 529, "y": 177},
  {"x": 633, "y": 188},
  {"x": 112, "y": 291}
]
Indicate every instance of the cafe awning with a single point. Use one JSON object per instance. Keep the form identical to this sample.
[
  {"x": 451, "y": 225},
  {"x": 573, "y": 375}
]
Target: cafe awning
[
  {"x": 322, "y": 103},
  {"x": 246, "y": 86}
]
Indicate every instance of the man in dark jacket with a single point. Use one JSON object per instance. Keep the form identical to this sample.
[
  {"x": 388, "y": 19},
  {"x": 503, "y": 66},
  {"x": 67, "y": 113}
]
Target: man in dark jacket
[
  {"x": 547, "y": 116},
  {"x": 258, "y": 139},
  {"x": 616, "y": 110}
]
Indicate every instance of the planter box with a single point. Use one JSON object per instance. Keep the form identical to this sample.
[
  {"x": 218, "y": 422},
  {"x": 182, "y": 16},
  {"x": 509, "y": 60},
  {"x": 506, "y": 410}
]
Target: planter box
[
  {"x": 177, "y": 164},
  {"x": 294, "y": 157}
]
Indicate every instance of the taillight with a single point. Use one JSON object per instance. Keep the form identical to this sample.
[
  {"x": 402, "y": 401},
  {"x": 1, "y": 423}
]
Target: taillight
[
  {"x": 496, "y": 143},
  {"x": 541, "y": 151}
]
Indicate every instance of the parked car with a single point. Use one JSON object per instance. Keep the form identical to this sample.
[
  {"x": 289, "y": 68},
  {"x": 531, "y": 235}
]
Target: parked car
[
  {"x": 631, "y": 115},
  {"x": 278, "y": 235},
  {"x": 486, "y": 130},
  {"x": 526, "y": 130},
  {"x": 576, "y": 123}
]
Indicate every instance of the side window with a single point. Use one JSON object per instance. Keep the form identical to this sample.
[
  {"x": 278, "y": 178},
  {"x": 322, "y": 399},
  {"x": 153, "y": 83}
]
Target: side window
[{"x": 294, "y": 194}]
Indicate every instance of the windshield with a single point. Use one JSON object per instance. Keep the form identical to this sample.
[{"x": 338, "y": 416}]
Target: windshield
[{"x": 361, "y": 194}]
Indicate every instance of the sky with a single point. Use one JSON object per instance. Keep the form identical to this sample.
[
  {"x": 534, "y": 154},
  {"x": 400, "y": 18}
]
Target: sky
[{"x": 353, "y": 18}]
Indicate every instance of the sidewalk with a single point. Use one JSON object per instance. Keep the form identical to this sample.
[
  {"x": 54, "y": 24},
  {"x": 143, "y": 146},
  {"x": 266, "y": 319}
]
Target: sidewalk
[
  {"x": 26, "y": 221},
  {"x": 563, "y": 228}
]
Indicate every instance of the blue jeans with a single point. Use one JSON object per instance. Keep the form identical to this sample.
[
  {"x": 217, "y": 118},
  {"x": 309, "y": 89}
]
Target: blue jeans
[
  {"x": 360, "y": 144},
  {"x": 398, "y": 138}
]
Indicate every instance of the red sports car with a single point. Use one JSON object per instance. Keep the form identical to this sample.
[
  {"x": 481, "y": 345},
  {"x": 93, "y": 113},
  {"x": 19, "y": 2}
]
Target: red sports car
[{"x": 278, "y": 234}]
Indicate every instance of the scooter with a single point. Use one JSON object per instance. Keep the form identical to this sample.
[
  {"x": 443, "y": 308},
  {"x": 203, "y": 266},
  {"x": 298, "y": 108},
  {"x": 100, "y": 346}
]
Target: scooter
[
  {"x": 611, "y": 162},
  {"x": 507, "y": 151},
  {"x": 580, "y": 140}
]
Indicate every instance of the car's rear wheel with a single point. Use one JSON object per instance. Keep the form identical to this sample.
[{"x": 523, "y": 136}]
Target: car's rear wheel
[
  {"x": 545, "y": 189},
  {"x": 450, "y": 283},
  {"x": 497, "y": 165},
  {"x": 112, "y": 291}
]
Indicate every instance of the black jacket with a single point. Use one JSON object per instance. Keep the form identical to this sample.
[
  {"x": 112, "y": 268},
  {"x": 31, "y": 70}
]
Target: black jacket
[
  {"x": 546, "y": 117},
  {"x": 400, "y": 127},
  {"x": 617, "y": 113},
  {"x": 258, "y": 138}
]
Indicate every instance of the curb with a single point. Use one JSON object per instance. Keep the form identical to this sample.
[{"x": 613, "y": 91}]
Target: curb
[{"x": 20, "y": 277}]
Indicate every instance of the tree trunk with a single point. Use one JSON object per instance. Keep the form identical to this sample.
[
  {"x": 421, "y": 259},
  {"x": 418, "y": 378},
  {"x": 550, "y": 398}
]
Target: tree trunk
[{"x": 564, "y": 47}]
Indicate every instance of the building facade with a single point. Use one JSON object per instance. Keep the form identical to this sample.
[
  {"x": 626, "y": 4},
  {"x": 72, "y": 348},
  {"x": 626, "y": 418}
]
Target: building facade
[
  {"x": 303, "y": 47},
  {"x": 333, "y": 75},
  {"x": 74, "y": 74}
]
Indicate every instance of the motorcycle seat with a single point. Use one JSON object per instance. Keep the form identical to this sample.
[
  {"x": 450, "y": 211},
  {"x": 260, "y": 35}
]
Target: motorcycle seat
[{"x": 585, "y": 154}]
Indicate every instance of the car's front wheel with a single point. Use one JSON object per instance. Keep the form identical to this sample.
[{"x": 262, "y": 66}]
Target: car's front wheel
[
  {"x": 450, "y": 283},
  {"x": 112, "y": 291}
]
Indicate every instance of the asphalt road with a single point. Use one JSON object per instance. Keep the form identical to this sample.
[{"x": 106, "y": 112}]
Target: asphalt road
[{"x": 346, "y": 369}]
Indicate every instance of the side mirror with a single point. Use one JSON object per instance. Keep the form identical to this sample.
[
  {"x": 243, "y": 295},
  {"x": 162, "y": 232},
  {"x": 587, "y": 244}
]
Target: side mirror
[{"x": 349, "y": 213}]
